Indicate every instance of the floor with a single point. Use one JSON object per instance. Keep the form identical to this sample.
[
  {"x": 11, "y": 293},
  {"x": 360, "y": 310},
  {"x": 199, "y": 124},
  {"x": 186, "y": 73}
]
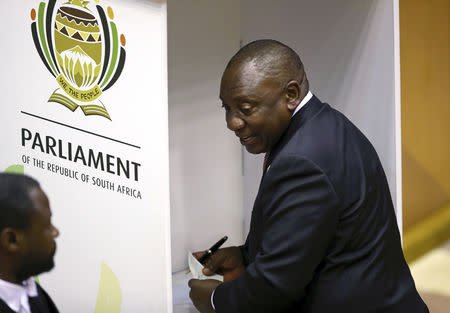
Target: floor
[{"x": 431, "y": 274}]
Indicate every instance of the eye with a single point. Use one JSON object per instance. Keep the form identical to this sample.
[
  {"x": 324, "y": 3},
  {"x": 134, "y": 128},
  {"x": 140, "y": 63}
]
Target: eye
[{"x": 246, "y": 109}]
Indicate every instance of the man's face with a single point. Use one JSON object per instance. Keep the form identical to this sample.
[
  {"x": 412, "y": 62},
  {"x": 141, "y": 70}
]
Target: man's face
[
  {"x": 40, "y": 245},
  {"x": 256, "y": 107}
]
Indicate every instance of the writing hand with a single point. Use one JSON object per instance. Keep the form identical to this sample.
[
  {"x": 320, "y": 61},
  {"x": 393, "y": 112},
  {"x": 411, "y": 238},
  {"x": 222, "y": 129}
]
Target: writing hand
[{"x": 226, "y": 261}]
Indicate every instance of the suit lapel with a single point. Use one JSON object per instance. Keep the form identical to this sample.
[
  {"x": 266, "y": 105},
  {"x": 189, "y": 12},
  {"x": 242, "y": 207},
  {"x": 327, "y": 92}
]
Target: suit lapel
[
  {"x": 39, "y": 304},
  {"x": 310, "y": 109},
  {"x": 297, "y": 121},
  {"x": 4, "y": 308},
  {"x": 36, "y": 306}
]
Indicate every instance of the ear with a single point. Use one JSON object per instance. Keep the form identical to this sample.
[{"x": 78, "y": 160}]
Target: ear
[
  {"x": 293, "y": 93},
  {"x": 11, "y": 239}
]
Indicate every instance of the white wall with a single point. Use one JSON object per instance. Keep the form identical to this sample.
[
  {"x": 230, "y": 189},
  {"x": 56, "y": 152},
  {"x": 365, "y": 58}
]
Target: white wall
[
  {"x": 205, "y": 160},
  {"x": 347, "y": 47}
]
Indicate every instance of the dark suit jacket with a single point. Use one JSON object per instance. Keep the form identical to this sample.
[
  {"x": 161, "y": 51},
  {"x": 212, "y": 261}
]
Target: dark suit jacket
[
  {"x": 323, "y": 234},
  {"x": 40, "y": 304}
]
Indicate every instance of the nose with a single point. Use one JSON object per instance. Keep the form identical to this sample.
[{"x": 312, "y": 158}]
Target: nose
[{"x": 234, "y": 122}]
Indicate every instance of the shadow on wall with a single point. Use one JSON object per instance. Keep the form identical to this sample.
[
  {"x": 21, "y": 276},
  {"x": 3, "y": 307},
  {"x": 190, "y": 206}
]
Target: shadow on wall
[
  {"x": 426, "y": 209},
  {"x": 425, "y": 193}
]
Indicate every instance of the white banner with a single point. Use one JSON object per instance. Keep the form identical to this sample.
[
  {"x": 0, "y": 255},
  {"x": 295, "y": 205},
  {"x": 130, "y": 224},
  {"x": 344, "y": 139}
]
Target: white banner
[{"x": 84, "y": 111}]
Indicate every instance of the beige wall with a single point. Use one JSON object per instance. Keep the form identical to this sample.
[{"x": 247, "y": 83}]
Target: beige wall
[{"x": 424, "y": 44}]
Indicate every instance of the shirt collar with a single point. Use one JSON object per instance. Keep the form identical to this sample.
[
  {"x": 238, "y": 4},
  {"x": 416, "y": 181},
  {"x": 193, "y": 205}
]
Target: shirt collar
[
  {"x": 16, "y": 295},
  {"x": 303, "y": 102}
]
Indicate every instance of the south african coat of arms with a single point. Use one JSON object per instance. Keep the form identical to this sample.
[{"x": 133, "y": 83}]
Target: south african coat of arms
[{"x": 81, "y": 49}]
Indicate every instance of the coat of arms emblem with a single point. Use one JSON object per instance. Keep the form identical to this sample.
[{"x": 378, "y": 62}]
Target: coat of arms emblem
[{"x": 81, "y": 49}]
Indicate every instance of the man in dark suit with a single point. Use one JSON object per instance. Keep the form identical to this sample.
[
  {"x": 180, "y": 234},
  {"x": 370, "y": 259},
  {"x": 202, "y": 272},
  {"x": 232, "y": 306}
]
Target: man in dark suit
[
  {"x": 323, "y": 234},
  {"x": 27, "y": 245}
]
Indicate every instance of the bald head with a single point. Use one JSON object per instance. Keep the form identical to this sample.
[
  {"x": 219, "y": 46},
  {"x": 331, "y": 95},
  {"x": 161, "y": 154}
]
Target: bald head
[
  {"x": 272, "y": 59},
  {"x": 261, "y": 87}
]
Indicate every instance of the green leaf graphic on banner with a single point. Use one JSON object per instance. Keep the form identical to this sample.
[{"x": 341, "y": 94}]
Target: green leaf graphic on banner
[
  {"x": 15, "y": 169},
  {"x": 109, "y": 298}
]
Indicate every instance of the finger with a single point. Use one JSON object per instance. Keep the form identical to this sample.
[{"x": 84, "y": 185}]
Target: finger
[
  {"x": 207, "y": 265},
  {"x": 206, "y": 271},
  {"x": 198, "y": 254},
  {"x": 214, "y": 264}
]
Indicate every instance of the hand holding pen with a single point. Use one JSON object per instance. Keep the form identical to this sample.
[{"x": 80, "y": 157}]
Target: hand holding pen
[
  {"x": 212, "y": 250},
  {"x": 226, "y": 261},
  {"x": 202, "y": 256}
]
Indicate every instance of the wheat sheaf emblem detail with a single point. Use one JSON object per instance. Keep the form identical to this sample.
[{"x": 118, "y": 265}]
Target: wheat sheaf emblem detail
[{"x": 85, "y": 57}]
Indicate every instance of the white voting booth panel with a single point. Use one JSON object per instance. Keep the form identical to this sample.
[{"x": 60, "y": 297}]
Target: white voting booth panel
[
  {"x": 205, "y": 161},
  {"x": 84, "y": 111},
  {"x": 350, "y": 51}
]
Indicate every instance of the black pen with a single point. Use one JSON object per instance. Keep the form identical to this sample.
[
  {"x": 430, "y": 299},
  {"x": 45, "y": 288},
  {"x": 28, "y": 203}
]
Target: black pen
[{"x": 212, "y": 249}]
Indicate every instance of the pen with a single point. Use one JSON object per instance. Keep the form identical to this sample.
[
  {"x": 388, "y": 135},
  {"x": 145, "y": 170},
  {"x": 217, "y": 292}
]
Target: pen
[{"x": 212, "y": 249}]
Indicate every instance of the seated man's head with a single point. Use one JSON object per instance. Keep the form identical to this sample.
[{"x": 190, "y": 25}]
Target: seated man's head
[{"x": 27, "y": 236}]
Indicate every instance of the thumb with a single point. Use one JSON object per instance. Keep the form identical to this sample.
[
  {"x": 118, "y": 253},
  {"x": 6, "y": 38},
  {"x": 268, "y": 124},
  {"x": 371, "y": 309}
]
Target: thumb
[
  {"x": 213, "y": 265},
  {"x": 206, "y": 271}
]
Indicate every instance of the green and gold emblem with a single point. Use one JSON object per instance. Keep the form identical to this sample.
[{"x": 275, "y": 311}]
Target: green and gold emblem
[{"x": 85, "y": 54}]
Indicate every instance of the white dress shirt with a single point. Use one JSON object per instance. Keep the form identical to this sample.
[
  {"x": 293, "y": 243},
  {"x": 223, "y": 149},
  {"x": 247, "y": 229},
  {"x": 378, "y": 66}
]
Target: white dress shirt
[
  {"x": 16, "y": 296},
  {"x": 303, "y": 102},
  {"x": 301, "y": 105}
]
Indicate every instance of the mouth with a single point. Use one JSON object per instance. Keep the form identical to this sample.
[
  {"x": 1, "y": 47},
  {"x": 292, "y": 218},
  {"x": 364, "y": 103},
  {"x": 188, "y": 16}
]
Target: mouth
[{"x": 247, "y": 140}]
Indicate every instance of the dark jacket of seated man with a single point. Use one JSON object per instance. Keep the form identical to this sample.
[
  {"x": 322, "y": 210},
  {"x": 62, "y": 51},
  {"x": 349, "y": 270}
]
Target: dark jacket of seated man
[{"x": 27, "y": 245}]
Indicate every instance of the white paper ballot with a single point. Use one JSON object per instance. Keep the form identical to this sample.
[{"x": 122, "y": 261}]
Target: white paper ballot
[{"x": 196, "y": 269}]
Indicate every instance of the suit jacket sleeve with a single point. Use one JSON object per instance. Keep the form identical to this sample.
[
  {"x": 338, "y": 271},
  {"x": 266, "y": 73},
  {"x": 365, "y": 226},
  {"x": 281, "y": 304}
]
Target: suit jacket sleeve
[{"x": 299, "y": 216}]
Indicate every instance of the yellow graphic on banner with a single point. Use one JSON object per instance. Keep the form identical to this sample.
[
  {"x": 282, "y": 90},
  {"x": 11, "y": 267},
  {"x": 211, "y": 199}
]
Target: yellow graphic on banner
[
  {"x": 80, "y": 95},
  {"x": 109, "y": 298}
]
